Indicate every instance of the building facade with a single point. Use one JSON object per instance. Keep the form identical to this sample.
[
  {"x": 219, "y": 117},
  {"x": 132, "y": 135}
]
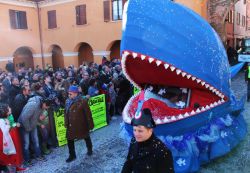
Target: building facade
[
  {"x": 64, "y": 32},
  {"x": 248, "y": 19},
  {"x": 240, "y": 21}
]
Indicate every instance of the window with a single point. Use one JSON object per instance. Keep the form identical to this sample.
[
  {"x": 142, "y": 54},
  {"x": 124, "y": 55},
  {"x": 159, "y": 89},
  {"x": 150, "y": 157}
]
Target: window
[
  {"x": 18, "y": 19},
  {"x": 81, "y": 15},
  {"x": 238, "y": 19},
  {"x": 117, "y": 9},
  {"x": 52, "y": 19},
  {"x": 243, "y": 21},
  {"x": 229, "y": 17}
]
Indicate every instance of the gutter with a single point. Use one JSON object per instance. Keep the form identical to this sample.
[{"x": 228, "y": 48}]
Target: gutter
[{"x": 40, "y": 33}]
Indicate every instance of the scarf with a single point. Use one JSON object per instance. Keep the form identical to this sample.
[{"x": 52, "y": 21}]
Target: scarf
[
  {"x": 70, "y": 102},
  {"x": 8, "y": 145}
]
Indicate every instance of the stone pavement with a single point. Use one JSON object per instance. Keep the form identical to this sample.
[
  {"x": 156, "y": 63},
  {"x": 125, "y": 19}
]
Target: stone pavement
[{"x": 110, "y": 151}]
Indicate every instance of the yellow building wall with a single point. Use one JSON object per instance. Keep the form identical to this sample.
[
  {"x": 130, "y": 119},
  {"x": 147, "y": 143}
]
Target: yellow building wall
[
  {"x": 11, "y": 39},
  {"x": 97, "y": 33},
  {"x": 199, "y": 6},
  {"x": 71, "y": 60}
]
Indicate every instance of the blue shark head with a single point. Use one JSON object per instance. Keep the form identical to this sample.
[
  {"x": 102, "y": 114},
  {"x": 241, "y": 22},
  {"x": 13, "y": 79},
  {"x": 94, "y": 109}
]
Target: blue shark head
[{"x": 166, "y": 44}]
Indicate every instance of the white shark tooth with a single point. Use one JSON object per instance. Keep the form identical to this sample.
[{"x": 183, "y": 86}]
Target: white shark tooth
[
  {"x": 222, "y": 96},
  {"x": 193, "y": 78},
  {"x": 180, "y": 116},
  {"x": 214, "y": 90},
  {"x": 150, "y": 88},
  {"x": 143, "y": 57},
  {"x": 125, "y": 54},
  {"x": 183, "y": 74},
  {"x": 202, "y": 108},
  {"x": 188, "y": 76},
  {"x": 173, "y": 118},
  {"x": 207, "y": 107},
  {"x": 162, "y": 91},
  {"x": 165, "y": 120},
  {"x": 211, "y": 88},
  {"x": 203, "y": 83},
  {"x": 222, "y": 100},
  {"x": 215, "y": 104},
  {"x": 219, "y": 102},
  {"x": 217, "y": 93},
  {"x": 134, "y": 55},
  {"x": 193, "y": 112},
  {"x": 158, "y": 62},
  {"x": 158, "y": 121},
  {"x": 166, "y": 66},
  {"x": 178, "y": 71},
  {"x": 172, "y": 68},
  {"x": 150, "y": 60},
  {"x": 198, "y": 110},
  {"x": 211, "y": 105},
  {"x": 206, "y": 85},
  {"x": 198, "y": 80},
  {"x": 186, "y": 114}
]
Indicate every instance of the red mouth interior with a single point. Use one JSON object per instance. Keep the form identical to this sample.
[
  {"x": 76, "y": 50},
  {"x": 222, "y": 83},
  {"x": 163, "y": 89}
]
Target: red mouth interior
[{"x": 142, "y": 72}]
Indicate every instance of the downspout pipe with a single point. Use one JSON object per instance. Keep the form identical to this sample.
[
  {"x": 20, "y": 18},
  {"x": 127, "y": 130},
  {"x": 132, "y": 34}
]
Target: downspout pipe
[{"x": 40, "y": 33}]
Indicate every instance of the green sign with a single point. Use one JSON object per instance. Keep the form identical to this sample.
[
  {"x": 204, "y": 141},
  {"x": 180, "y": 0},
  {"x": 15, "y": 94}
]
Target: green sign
[
  {"x": 98, "y": 109},
  {"x": 136, "y": 90},
  {"x": 60, "y": 129}
]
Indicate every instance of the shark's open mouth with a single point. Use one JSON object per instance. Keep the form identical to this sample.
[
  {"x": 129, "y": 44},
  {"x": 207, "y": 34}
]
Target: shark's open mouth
[{"x": 155, "y": 78}]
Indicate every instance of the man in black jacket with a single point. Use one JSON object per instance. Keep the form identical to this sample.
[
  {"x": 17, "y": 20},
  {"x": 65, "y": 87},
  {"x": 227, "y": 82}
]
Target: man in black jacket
[
  {"x": 147, "y": 153},
  {"x": 20, "y": 101},
  {"x": 14, "y": 90}
]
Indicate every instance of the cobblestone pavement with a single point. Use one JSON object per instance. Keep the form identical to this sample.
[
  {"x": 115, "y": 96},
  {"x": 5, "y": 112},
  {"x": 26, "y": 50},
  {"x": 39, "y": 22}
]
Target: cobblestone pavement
[{"x": 110, "y": 151}]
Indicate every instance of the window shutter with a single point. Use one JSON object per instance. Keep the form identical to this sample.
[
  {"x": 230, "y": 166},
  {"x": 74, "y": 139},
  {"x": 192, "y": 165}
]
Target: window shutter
[
  {"x": 12, "y": 19},
  {"x": 78, "y": 15},
  {"x": 52, "y": 19},
  {"x": 49, "y": 20},
  {"x": 83, "y": 17},
  {"x": 23, "y": 20},
  {"x": 106, "y": 8}
]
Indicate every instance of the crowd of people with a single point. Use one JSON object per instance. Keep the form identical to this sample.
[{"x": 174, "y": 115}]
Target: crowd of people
[{"x": 29, "y": 97}]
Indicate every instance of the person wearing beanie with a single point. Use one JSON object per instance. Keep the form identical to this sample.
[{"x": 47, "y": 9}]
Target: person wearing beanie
[
  {"x": 147, "y": 153},
  {"x": 78, "y": 121}
]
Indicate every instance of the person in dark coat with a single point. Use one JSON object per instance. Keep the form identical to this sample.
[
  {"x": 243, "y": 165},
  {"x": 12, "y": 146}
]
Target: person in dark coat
[
  {"x": 78, "y": 121},
  {"x": 14, "y": 90},
  {"x": 147, "y": 153},
  {"x": 3, "y": 94},
  {"x": 20, "y": 101},
  {"x": 48, "y": 88}
]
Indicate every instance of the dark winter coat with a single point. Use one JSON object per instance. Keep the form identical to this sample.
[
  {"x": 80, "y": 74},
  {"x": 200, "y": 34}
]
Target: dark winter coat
[
  {"x": 150, "y": 156},
  {"x": 14, "y": 90},
  {"x": 19, "y": 103},
  {"x": 78, "y": 120},
  {"x": 49, "y": 91}
]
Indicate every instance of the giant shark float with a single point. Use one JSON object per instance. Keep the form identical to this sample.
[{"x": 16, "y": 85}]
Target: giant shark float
[{"x": 166, "y": 47}]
